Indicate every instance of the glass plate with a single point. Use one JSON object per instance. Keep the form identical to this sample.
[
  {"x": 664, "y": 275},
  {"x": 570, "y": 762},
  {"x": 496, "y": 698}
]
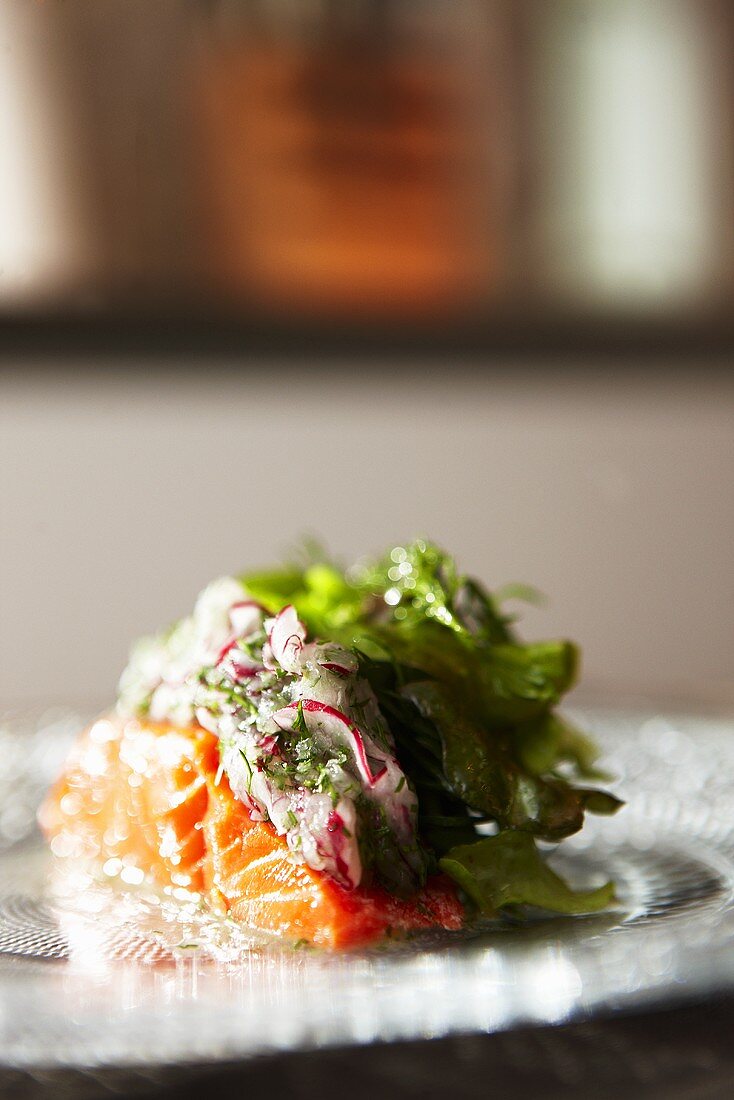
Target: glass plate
[{"x": 88, "y": 980}]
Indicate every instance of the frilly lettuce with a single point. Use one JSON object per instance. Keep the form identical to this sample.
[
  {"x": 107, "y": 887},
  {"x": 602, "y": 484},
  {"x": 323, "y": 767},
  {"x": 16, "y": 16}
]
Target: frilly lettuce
[{"x": 472, "y": 710}]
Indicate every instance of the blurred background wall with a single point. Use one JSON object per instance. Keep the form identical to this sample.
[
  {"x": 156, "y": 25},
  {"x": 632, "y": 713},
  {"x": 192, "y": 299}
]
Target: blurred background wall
[
  {"x": 510, "y": 177},
  {"x": 613, "y": 491}
]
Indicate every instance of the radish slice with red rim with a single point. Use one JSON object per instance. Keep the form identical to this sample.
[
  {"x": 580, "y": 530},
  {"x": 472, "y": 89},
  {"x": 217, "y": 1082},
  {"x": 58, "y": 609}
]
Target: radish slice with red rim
[
  {"x": 338, "y": 729},
  {"x": 286, "y": 638},
  {"x": 246, "y": 617}
]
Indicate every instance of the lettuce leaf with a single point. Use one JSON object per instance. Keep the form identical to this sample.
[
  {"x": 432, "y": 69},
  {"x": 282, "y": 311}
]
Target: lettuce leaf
[
  {"x": 507, "y": 870},
  {"x": 478, "y": 768},
  {"x": 549, "y": 740}
]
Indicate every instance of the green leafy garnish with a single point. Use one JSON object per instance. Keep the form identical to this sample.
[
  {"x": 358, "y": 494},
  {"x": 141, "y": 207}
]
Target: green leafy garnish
[
  {"x": 472, "y": 710},
  {"x": 479, "y": 769},
  {"x": 507, "y": 870}
]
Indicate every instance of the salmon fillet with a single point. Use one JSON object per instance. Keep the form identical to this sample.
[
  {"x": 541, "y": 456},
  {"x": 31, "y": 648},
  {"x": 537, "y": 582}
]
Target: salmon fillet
[{"x": 150, "y": 796}]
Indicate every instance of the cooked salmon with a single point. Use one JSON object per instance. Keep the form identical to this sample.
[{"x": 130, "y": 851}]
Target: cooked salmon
[{"x": 153, "y": 797}]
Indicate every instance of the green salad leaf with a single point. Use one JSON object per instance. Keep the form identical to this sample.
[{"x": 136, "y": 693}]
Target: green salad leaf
[
  {"x": 507, "y": 870},
  {"x": 478, "y": 767},
  {"x": 472, "y": 711}
]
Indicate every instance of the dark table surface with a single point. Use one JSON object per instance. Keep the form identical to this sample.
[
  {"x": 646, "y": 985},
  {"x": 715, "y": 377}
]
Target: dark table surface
[{"x": 679, "y": 1053}]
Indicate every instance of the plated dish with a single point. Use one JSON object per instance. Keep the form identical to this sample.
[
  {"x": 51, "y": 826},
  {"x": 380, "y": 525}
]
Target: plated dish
[
  {"x": 335, "y": 757},
  {"x": 93, "y": 977}
]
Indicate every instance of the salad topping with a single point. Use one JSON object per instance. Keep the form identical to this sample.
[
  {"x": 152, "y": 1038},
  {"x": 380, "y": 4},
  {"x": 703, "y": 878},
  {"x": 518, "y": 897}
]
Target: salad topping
[
  {"x": 386, "y": 721},
  {"x": 302, "y": 739}
]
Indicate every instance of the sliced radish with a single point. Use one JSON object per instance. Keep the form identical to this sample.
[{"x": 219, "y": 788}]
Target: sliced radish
[
  {"x": 333, "y": 658},
  {"x": 269, "y": 744},
  {"x": 329, "y": 836},
  {"x": 286, "y": 638},
  {"x": 243, "y": 666},
  {"x": 338, "y": 729},
  {"x": 225, "y": 650},
  {"x": 339, "y": 670},
  {"x": 246, "y": 617},
  {"x": 338, "y": 836},
  {"x": 237, "y": 661}
]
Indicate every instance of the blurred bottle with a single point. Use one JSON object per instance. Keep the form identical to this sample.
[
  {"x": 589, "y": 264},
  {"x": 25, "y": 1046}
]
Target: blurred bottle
[
  {"x": 629, "y": 113},
  {"x": 346, "y": 155},
  {"x": 46, "y": 246}
]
